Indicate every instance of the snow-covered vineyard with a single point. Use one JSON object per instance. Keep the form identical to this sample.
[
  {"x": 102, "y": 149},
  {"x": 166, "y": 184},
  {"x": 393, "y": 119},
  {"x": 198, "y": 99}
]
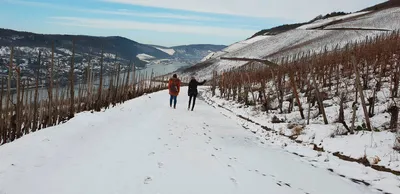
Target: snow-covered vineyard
[
  {"x": 357, "y": 88},
  {"x": 342, "y": 104},
  {"x": 314, "y": 37}
]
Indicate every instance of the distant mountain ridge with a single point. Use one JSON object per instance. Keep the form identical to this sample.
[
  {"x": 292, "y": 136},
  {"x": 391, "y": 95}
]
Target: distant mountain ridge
[{"x": 124, "y": 48}]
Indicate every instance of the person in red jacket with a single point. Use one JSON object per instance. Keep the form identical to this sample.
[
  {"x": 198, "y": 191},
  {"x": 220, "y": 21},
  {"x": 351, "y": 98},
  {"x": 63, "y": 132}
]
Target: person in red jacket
[{"x": 174, "y": 87}]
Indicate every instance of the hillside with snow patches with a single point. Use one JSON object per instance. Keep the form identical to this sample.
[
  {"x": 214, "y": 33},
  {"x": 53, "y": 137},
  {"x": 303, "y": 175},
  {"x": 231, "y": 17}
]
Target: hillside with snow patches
[
  {"x": 191, "y": 53},
  {"x": 88, "y": 49},
  {"x": 27, "y": 59},
  {"x": 315, "y": 37},
  {"x": 169, "y": 51}
]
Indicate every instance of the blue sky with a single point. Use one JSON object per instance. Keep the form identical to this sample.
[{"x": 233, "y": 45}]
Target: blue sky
[{"x": 165, "y": 22}]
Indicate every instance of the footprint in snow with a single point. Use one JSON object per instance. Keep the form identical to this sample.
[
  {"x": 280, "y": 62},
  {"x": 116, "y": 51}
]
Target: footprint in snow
[
  {"x": 147, "y": 180},
  {"x": 234, "y": 180},
  {"x": 160, "y": 165},
  {"x": 280, "y": 183},
  {"x": 233, "y": 158},
  {"x": 151, "y": 153}
]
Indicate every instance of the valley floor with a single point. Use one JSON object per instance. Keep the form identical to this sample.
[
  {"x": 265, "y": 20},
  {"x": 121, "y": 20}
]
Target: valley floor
[{"x": 144, "y": 146}]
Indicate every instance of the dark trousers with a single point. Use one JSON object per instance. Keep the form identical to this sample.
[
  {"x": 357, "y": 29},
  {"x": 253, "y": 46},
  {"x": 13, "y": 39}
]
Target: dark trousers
[
  {"x": 190, "y": 100},
  {"x": 172, "y": 98}
]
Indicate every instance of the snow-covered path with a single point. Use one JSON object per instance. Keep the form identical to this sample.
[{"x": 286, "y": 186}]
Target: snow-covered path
[{"x": 144, "y": 146}]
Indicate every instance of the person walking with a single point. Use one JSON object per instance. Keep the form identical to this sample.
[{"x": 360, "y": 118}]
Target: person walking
[
  {"x": 174, "y": 87},
  {"x": 192, "y": 91}
]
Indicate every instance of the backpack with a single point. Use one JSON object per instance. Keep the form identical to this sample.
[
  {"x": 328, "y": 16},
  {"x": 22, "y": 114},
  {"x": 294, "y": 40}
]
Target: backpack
[{"x": 174, "y": 87}]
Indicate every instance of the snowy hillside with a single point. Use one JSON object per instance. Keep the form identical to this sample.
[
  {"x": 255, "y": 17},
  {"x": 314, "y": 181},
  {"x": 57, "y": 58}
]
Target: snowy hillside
[
  {"x": 124, "y": 48},
  {"x": 27, "y": 59},
  {"x": 323, "y": 22},
  {"x": 191, "y": 54},
  {"x": 90, "y": 48},
  {"x": 122, "y": 150},
  {"x": 302, "y": 40},
  {"x": 166, "y": 50},
  {"x": 386, "y": 19},
  {"x": 234, "y": 47},
  {"x": 144, "y": 57}
]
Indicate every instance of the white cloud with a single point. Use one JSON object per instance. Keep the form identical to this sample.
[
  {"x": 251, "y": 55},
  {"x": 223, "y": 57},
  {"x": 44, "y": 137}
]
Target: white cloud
[
  {"x": 28, "y": 3},
  {"x": 121, "y": 12},
  {"x": 159, "y": 27},
  {"x": 299, "y": 10},
  {"x": 151, "y": 15}
]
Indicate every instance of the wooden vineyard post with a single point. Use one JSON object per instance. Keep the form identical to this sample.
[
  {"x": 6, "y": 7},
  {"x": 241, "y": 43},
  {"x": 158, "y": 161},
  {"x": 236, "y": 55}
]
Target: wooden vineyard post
[
  {"x": 395, "y": 110},
  {"x": 2, "y": 127},
  {"x": 17, "y": 130},
  {"x": 71, "y": 77},
  {"x": 296, "y": 95},
  {"x": 50, "y": 90},
  {"x": 8, "y": 112},
  {"x": 358, "y": 82},
  {"x": 321, "y": 106},
  {"x": 99, "y": 95}
]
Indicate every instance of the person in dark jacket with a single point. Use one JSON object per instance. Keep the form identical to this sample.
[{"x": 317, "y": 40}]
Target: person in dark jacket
[{"x": 192, "y": 91}]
